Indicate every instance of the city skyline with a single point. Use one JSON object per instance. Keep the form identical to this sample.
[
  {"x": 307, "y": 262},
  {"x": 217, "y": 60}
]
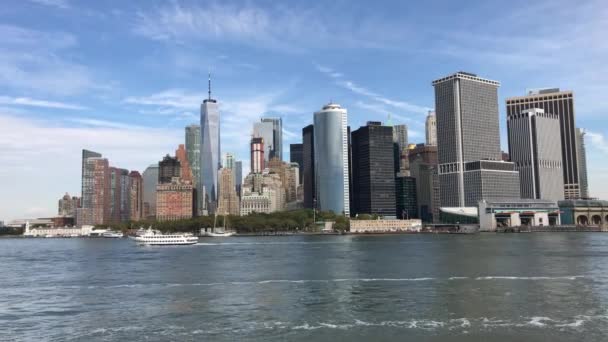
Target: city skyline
[{"x": 134, "y": 118}]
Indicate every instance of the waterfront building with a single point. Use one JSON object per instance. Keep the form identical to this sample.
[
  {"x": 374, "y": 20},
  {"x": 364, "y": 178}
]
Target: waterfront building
[
  {"x": 228, "y": 203},
  {"x": 468, "y": 140},
  {"x": 238, "y": 176},
  {"x": 135, "y": 196},
  {"x": 83, "y": 214},
  {"x": 150, "y": 181},
  {"x": 560, "y": 103},
  {"x": 174, "y": 200},
  {"x": 308, "y": 165},
  {"x": 257, "y": 155},
  {"x": 372, "y": 170},
  {"x": 517, "y": 213},
  {"x": 331, "y": 150},
  {"x": 582, "y": 163},
  {"x": 168, "y": 168},
  {"x": 228, "y": 161},
  {"x": 296, "y": 155},
  {"x": 406, "y": 199},
  {"x": 535, "y": 148},
  {"x": 210, "y": 154},
  {"x": 385, "y": 226},
  {"x": 254, "y": 203},
  {"x": 584, "y": 212},
  {"x": 96, "y": 209},
  {"x": 431, "y": 129},
  {"x": 271, "y": 129},
  {"x": 119, "y": 195},
  {"x": 185, "y": 170},
  {"x": 67, "y": 205}
]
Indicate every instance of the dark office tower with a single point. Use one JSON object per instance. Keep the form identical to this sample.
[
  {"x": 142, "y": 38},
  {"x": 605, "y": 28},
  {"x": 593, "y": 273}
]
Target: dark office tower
[
  {"x": 468, "y": 139},
  {"x": 308, "y": 165},
  {"x": 582, "y": 163},
  {"x": 168, "y": 168},
  {"x": 561, "y": 103},
  {"x": 295, "y": 156},
  {"x": 405, "y": 193},
  {"x": 372, "y": 170},
  {"x": 238, "y": 176}
]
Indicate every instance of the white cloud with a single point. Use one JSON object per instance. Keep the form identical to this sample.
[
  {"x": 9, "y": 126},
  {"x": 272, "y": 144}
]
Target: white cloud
[
  {"x": 48, "y": 157},
  {"x": 171, "y": 98},
  {"x": 598, "y": 141},
  {"x": 62, "y": 4},
  {"x": 26, "y": 101},
  {"x": 360, "y": 90},
  {"x": 31, "y": 60},
  {"x": 289, "y": 28}
]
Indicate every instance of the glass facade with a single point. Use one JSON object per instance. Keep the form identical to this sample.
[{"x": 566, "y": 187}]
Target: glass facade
[
  {"x": 210, "y": 156},
  {"x": 331, "y": 159}
]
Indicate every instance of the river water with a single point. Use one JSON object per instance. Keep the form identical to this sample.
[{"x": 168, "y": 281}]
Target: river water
[{"x": 509, "y": 287}]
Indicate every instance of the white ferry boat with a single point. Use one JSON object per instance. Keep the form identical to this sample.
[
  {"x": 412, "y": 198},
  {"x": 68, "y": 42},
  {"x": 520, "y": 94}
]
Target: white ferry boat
[
  {"x": 112, "y": 235},
  {"x": 154, "y": 237}
]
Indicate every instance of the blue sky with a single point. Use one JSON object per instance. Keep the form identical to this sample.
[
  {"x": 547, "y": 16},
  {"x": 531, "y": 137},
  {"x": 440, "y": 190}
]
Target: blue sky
[{"x": 124, "y": 77}]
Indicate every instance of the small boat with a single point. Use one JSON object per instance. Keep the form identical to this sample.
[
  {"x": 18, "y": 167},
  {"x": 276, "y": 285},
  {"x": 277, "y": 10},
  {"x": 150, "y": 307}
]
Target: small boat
[
  {"x": 156, "y": 238},
  {"x": 217, "y": 232},
  {"x": 112, "y": 235}
]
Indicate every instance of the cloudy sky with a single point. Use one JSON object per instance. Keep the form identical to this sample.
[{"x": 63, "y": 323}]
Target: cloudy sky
[{"x": 124, "y": 77}]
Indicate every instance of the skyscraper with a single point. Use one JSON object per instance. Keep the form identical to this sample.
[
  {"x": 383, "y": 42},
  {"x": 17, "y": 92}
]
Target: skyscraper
[
  {"x": 228, "y": 203},
  {"x": 308, "y": 165},
  {"x": 257, "y": 155},
  {"x": 561, "y": 103},
  {"x": 169, "y": 168},
  {"x": 193, "y": 151},
  {"x": 119, "y": 198},
  {"x": 406, "y": 197},
  {"x": 150, "y": 181},
  {"x": 468, "y": 139},
  {"x": 97, "y": 191},
  {"x": 210, "y": 154},
  {"x": 68, "y": 205},
  {"x": 135, "y": 196},
  {"x": 238, "y": 176},
  {"x": 228, "y": 160},
  {"x": 582, "y": 163},
  {"x": 431, "y": 129},
  {"x": 296, "y": 155},
  {"x": 271, "y": 129},
  {"x": 332, "y": 159},
  {"x": 372, "y": 170},
  {"x": 182, "y": 157},
  {"x": 535, "y": 148}
]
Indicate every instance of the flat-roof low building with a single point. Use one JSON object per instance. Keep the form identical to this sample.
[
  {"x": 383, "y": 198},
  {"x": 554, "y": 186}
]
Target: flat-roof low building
[
  {"x": 385, "y": 226},
  {"x": 494, "y": 215},
  {"x": 584, "y": 212}
]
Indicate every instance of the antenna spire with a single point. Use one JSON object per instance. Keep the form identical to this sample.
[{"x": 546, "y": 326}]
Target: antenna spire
[{"x": 210, "y": 86}]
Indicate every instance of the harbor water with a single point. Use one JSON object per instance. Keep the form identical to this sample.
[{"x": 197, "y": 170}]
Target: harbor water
[{"x": 498, "y": 287}]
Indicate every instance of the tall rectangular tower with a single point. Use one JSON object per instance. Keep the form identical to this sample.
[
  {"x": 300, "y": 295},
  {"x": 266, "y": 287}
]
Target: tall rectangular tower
[
  {"x": 193, "y": 150},
  {"x": 295, "y": 156},
  {"x": 560, "y": 103},
  {"x": 210, "y": 155},
  {"x": 468, "y": 138},
  {"x": 308, "y": 165},
  {"x": 372, "y": 170},
  {"x": 535, "y": 148},
  {"x": 582, "y": 163}
]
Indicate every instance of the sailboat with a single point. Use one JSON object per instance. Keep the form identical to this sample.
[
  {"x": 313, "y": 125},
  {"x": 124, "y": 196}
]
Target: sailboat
[{"x": 213, "y": 233}]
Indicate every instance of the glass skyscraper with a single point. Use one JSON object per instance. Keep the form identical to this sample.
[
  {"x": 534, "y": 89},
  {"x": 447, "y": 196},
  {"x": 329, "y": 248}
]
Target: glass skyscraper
[
  {"x": 193, "y": 151},
  {"x": 331, "y": 159},
  {"x": 271, "y": 129},
  {"x": 210, "y": 155}
]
